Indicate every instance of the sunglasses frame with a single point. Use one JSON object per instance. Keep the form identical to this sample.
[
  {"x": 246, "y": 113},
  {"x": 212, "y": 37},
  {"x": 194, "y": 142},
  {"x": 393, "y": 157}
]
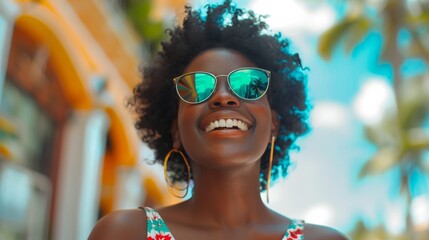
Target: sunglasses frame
[{"x": 268, "y": 73}]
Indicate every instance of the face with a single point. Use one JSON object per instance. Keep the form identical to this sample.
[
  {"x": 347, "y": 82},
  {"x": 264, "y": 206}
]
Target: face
[{"x": 197, "y": 130}]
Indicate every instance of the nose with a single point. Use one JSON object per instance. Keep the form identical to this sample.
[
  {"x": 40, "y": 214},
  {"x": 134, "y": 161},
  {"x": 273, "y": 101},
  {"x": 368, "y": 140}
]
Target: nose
[{"x": 223, "y": 97}]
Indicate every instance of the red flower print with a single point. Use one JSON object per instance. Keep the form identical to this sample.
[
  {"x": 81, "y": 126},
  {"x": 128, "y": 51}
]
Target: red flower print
[{"x": 162, "y": 237}]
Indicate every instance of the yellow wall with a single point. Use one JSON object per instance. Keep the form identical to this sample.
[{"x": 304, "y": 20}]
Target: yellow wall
[{"x": 82, "y": 45}]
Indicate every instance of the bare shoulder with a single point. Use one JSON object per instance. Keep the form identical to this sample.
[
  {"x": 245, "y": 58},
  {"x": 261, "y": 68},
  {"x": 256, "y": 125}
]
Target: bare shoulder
[
  {"x": 318, "y": 232},
  {"x": 123, "y": 224}
]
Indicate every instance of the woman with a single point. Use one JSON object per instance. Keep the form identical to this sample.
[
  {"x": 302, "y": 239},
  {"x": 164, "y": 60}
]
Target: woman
[{"x": 221, "y": 105}]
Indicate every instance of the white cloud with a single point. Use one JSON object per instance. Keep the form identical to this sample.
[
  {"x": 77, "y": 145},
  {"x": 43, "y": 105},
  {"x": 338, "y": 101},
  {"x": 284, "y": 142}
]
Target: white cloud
[
  {"x": 320, "y": 214},
  {"x": 330, "y": 115},
  {"x": 373, "y": 100},
  {"x": 420, "y": 212},
  {"x": 297, "y": 20},
  {"x": 295, "y": 16},
  {"x": 395, "y": 217}
]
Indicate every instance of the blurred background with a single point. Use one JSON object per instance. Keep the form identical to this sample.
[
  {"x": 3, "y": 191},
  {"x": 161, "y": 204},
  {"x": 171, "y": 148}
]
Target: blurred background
[{"x": 69, "y": 153}]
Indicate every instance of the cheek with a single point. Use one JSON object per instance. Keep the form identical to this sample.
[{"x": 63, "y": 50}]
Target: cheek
[
  {"x": 187, "y": 119},
  {"x": 262, "y": 113}
]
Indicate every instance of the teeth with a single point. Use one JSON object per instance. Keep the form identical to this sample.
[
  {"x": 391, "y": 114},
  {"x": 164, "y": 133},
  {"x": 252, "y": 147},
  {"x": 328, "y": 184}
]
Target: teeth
[
  {"x": 227, "y": 123},
  {"x": 222, "y": 123}
]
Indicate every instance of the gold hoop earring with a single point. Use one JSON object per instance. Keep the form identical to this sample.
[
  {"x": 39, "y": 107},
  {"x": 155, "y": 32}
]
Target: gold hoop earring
[
  {"x": 170, "y": 184},
  {"x": 270, "y": 165}
]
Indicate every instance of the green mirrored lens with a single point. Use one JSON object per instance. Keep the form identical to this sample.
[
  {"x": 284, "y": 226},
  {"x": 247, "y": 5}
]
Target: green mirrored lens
[
  {"x": 249, "y": 83},
  {"x": 196, "y": 87}
]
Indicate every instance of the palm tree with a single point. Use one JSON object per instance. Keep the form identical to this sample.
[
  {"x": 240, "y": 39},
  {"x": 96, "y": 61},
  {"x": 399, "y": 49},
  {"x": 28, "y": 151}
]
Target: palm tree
[{"x": 400, "y": 137}]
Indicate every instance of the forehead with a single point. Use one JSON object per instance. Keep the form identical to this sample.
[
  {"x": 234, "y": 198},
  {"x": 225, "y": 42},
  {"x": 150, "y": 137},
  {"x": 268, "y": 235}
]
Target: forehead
[{"x": 219, "y": 61}]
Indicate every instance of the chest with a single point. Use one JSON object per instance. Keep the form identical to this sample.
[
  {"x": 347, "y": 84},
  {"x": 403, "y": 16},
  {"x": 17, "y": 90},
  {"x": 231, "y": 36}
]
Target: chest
[
  {"x": 176, "y": 232},
  {"x": 236, "y": 234},
  {"x": 158, "y": 230}
]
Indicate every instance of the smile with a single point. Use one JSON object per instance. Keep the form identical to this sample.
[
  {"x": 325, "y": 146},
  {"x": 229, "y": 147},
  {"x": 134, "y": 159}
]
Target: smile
[{"x": 227, "y": 124}]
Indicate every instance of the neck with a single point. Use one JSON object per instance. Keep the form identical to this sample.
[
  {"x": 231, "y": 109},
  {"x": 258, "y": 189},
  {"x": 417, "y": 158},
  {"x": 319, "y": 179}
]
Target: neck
[{"x": 228, "y": 197}]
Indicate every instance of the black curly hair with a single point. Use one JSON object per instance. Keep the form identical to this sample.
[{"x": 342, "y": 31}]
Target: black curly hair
[{"x": 224, "y": 25}]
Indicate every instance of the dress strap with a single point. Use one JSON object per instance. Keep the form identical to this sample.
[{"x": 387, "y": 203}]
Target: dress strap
[
  {"x": 156, "y": 228},
  {"x": 295, "y": 230}
]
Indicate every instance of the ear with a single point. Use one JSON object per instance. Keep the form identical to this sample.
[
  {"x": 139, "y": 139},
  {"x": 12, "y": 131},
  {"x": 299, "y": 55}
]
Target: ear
[
  {"x": 275, "y": 123},
  {"x": 175, "y": 135}
]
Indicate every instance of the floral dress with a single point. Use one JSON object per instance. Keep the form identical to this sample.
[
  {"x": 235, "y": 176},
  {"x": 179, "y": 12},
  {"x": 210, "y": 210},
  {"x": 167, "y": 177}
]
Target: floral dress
[{"x": 157, "y": 230}]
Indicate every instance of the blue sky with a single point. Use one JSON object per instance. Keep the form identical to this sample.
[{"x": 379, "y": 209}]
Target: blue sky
[{"x": 323, "y": 186}]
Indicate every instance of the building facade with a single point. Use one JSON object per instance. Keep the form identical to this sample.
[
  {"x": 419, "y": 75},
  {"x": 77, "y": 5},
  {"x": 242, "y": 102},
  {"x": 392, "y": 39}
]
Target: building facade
[{"x": 68, "y": 150}]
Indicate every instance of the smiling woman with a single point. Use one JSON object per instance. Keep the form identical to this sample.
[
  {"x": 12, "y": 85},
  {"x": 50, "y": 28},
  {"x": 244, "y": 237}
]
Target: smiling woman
[{"x": 221, "y": 105}]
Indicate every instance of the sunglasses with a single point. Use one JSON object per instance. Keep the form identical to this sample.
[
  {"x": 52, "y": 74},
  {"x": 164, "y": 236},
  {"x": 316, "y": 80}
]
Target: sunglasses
[{"x": 248, "y": 83}]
